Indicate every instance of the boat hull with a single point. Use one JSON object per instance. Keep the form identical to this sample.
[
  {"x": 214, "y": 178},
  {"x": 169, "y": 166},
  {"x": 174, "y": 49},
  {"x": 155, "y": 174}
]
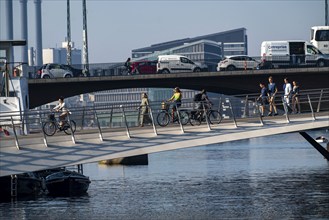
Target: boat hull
[{"x": 67, "y": 183}]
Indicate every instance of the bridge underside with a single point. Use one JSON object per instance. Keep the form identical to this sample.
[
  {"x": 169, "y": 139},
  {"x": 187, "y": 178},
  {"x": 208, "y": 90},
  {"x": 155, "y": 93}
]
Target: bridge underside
[
  {"x": 42, "y": 91},
  {"x": 61, "y": 151}
]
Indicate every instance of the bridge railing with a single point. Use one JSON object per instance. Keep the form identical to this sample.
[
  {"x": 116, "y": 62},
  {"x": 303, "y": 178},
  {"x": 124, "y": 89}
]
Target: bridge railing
[{"x": 126, "y": 116}]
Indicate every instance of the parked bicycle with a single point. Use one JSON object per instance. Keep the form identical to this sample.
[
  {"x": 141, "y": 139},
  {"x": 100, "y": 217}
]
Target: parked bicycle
[
  {"x": 165, "y": 115},
  {"x": 198, "y": 116},
  {"x": 52, "y": 125}
]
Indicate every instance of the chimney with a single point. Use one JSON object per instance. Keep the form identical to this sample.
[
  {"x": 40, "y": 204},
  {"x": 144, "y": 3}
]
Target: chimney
[{"x": 38, "y": 33}]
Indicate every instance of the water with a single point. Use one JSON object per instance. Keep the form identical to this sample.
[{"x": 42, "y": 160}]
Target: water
[{"x": 277, "y": 177}]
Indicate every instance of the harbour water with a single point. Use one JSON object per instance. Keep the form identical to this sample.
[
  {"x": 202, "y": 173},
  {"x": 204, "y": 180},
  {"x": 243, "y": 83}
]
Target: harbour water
[{"x": 275, "y": 177}]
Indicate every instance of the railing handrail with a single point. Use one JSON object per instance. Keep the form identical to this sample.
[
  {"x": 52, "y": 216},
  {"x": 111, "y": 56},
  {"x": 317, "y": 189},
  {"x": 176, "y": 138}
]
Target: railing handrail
[{"x": 132, "y": 105}]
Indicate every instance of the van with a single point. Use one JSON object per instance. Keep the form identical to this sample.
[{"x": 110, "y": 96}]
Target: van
[
  {"x": 277, "y": 54},
  {"x": 176, "y": 64}
]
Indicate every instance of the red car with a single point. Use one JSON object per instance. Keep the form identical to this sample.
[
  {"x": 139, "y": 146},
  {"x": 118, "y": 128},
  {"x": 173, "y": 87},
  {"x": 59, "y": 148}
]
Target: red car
[{"x": 144, "y": 67}]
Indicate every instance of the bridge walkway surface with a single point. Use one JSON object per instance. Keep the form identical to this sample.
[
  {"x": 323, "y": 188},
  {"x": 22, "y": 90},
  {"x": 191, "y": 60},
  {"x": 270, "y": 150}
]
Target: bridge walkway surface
[{"x": 88, "y": 145}]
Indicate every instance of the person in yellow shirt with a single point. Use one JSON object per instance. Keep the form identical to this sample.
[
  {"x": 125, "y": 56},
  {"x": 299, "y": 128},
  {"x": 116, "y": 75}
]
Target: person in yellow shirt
[{"x": 177, "y": 99}]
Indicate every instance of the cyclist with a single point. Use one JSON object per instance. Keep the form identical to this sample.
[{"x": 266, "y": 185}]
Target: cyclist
[
  {"x": 64, "y": 111},
  {"x": 202, "y": 101},
  {"x": 177, "y": 99},
  {"x": 128, "y": 65}
]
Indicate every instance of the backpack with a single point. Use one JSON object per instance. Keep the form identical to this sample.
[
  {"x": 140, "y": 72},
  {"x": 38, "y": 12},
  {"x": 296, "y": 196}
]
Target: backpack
[{"x": 197, "y": 97}]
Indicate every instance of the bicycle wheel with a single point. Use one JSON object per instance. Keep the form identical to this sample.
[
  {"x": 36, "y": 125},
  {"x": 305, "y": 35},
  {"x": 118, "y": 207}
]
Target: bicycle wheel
[
  {"x": 49, "y": 128},
  {"x": 195, "y": 119},
  {"x": 184, "y": 117},
  {"x": 163, "y": 118},
  {"x": 67, "y": 128},
  {"x": 214, "y": 117}
]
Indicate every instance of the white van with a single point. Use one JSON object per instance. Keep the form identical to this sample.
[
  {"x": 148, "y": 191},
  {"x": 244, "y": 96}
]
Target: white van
[
  {"x": 291, "y": 53},
  {"x": 175, "y": 64}
]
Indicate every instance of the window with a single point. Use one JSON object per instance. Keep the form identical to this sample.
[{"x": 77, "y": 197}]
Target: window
[
  {"x": 312, "y": 50},
  {"x": 322, "y": 35}
]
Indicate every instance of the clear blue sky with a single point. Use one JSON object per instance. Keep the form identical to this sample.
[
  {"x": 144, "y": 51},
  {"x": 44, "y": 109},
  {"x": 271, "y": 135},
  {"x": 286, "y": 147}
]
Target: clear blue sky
[{"x": 117, "y": 27}]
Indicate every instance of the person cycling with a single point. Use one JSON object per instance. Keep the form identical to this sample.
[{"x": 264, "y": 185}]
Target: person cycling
[
  {"x": 177, "y": 99},
  {"x": 202, "y": 102},
  {"x": 64, "y": 111},
  {"x": 128, "y": 65}
]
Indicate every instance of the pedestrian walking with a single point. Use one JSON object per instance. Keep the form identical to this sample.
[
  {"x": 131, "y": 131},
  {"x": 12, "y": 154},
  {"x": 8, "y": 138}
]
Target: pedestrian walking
[{"x": 272, "y": 91}]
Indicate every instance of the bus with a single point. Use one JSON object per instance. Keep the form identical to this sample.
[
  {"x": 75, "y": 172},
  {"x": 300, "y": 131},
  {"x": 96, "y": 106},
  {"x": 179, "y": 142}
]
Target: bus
[{"x": 320, "y": 38}]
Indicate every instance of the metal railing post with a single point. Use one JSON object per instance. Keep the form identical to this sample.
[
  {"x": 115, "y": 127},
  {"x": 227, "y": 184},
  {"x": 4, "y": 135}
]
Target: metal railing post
[
  {"x": 232, "y": 112},
  {"x": 179, "y": 119},
  {"x": 111, "y": 117},
  {"x": 14, "y": 130},
  {"x": 98, "y": 125},
  {"x": 206, "y": 116},
  {"x": 246, "y": 109},
  {"x": 319, "y": 103},
  {"x": 309, "y": 101},
  {"x": 259, "y": 113},
  {"x": 153, "y": 124},
  {"x": 72, "y": 133},
  {"x": 43, "y": 132},
  {"x": 125, "y": 120},
  {"x": 83, "y": 117},
  {"x": 220, "y": 103},
  {"x": 285, "y": 107}
]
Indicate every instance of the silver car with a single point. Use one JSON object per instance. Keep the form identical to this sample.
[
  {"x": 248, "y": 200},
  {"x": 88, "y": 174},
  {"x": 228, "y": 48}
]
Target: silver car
[{"x": 53, "y": 70}]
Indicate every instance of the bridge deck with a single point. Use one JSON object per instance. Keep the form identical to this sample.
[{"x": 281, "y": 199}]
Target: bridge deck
[{"x": 61, "y": 151}]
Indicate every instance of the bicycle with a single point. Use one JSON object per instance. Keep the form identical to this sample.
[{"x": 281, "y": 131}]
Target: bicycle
[
  {"x": 198, "y": 116},
  {"x": 52, "y": 125},
  {"x": 165, "y": 115}
]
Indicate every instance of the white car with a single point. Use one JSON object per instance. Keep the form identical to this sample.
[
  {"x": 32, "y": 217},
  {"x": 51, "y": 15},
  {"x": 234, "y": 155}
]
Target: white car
[
  {"x": 241, "y": 62},
  {"x": 53, "y": 70}
]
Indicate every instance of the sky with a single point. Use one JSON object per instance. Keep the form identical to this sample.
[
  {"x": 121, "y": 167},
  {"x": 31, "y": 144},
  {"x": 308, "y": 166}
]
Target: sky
[{"x": 115, "y": 27}]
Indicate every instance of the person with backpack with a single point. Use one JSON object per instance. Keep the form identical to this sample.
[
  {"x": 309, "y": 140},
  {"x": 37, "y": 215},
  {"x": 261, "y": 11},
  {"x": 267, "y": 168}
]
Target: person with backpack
[{"x": 201, "y": 99}]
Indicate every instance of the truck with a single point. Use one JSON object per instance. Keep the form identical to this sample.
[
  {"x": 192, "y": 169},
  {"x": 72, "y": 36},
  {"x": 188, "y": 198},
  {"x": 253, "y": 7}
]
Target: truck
[
  {"x": 276, "y": 54},
  {"x": 320, "y": 38}
]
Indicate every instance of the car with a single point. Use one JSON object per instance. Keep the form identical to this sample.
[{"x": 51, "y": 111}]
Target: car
[
  {"x": 241, "y": 62},
  {"x": 76, "y": 72},
  {"x": 176, "y": 64},
  {"x": 144, "y": 67},
  {"x": 53, "y": 70}
]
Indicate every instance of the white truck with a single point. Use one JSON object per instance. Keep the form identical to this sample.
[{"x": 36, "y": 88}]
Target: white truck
[
  {"x": 276, "y": 54},
  {"x": 320, "y": 38}
]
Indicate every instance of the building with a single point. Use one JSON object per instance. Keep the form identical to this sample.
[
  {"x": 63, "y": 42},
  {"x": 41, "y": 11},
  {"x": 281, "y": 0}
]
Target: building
[
  {"x": 56, "y": 55},
  {"x": 59, "y": 55},
  {"x": 226, "y": 37}
]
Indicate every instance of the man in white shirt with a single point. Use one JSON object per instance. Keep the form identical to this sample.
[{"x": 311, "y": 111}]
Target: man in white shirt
[{"x": 287, "y": 91}]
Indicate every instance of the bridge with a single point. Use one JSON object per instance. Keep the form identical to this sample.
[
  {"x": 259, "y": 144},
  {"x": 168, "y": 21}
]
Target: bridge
[
  {"x": 42, "y": 91},
  {"x": 33, "y": 150}
]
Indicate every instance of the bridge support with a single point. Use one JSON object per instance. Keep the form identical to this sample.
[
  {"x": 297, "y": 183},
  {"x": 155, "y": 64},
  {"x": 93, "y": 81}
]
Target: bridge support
[
  {"x": 134, "y": 160},
  {"x": 316, "y": 145}
]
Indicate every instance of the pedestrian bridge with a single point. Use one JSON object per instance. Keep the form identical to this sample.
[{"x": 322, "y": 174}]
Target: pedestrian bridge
[{"x": 95, "y": 141}]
